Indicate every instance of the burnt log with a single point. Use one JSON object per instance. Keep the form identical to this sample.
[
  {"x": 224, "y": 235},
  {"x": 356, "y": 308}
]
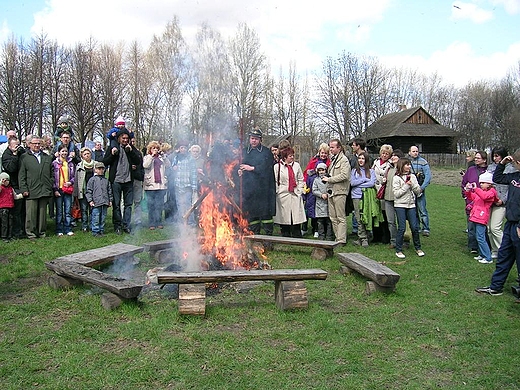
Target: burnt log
[{"x": 119, "y": 286}]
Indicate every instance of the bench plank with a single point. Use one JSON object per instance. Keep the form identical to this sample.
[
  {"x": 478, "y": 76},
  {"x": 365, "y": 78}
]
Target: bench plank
[
  {"x": 369, "y": 268},
  {"x": 294, "y": 241},
  {"x": 236, "y": 276},
  {"x": 104, "y": 255},
  {"x": 119, "y": 286},
  {"x": 155, "y": 246}
]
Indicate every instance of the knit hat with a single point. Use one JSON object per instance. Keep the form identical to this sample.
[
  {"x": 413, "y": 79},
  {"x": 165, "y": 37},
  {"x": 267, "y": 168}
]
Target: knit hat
[
  {"x": 4, "y": 175},
  {"x": 120, "y": 121},
  {"x": 486, "y": 177},
  {"x": 321, "y": 166},
  {"x": 63, "y": 119}
]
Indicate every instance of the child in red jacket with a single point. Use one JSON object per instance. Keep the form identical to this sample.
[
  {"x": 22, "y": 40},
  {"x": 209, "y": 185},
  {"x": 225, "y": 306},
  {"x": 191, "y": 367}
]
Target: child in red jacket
[
  {"x": 7, "y": 197},
  {"x": 481, "y": 200}
]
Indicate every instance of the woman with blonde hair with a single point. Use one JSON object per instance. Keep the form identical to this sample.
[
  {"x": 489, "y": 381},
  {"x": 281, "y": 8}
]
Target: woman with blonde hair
[{"x": 155, "y": 166}]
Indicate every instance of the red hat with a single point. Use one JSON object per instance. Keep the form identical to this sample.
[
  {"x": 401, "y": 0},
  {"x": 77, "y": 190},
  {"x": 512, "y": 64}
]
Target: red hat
[{"x": 119, "y": 121}]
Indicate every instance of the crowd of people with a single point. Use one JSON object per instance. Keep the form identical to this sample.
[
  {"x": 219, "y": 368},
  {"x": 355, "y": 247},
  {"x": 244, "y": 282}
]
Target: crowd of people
[{"x": 386, "y": 198}]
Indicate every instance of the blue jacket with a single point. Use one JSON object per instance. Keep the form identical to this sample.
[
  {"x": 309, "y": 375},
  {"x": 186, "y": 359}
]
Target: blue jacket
[{"x": 421, "y": 166}]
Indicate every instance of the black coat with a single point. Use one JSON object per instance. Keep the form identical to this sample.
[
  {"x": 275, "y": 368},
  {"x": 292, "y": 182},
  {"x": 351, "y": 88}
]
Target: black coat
[
  {"x": 111, "y": 161},
  {"x": 258, "y": 186}
]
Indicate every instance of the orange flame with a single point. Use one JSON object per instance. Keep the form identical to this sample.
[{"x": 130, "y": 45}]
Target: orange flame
[{"x": 223, "y": 229}]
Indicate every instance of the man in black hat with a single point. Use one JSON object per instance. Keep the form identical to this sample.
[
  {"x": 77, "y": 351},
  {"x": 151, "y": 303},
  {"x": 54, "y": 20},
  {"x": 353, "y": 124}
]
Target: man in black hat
[
  {"x": 123, "y": 160},
  {"x": 258, "y": 191}
]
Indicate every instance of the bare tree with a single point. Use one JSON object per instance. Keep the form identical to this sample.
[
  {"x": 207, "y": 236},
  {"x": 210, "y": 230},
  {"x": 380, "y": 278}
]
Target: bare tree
[{"x": 248, "y": 66}]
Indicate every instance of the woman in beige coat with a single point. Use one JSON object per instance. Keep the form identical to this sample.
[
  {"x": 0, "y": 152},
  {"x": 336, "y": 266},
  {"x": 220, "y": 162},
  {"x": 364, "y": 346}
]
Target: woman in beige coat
[
  {"x": 290, "y": 212},
  {"x": 155, "y": 183}
]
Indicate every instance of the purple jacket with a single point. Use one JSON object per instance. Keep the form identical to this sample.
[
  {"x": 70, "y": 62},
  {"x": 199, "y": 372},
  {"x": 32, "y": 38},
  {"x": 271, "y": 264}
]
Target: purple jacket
[
  {"x": 471, "y": 176},
  {"x": 56, "y": 165}
]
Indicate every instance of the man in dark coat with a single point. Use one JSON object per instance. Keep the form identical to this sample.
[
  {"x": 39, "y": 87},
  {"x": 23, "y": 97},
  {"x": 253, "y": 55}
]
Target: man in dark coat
[
  {"x": 35, "y": 180},
  {"x": 11, "y": 165},
  {"x": 258, "y": 199},
  {"x": 123, "y": 160}
]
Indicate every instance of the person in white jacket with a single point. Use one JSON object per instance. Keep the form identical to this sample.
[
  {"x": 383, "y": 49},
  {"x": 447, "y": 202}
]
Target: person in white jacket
[
  {"x": 406, "y": 189},
  {"x": 290, "y": 212}
]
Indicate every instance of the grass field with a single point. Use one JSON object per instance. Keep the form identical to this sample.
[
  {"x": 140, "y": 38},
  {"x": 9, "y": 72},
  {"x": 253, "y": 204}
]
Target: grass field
[{"x": 433, "y": 332}]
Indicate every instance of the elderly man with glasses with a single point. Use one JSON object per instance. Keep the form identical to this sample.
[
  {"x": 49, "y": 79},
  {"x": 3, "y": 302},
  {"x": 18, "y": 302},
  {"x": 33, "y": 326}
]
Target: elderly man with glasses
[{"x": 35, "y": 181}]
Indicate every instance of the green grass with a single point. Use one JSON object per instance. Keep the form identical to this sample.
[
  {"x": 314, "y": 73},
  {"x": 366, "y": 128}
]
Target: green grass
[{"x": 433, "y": 332}]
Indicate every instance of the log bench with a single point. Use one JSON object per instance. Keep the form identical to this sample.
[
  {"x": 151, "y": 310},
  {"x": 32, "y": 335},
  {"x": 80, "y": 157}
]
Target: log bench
[
  {"x": 381, "y": 277},
  {"x": 290, "y": 290},
  {"x": 321, "y": 249},
  {"x": 76, "y": 268},
  {"x": 159, "y": 250}
]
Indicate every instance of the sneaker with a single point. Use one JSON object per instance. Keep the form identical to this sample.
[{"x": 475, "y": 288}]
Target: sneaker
[
  {"x": 478, "y": 257},
  {"x": 426, "y": 233},
  {"x": 60, "y": 234},
  {"x": 485, "y": 261},
  {"x": 356, "y": 243},
  {"x": 70, "y": 233},
  {"x": 494, "y": 255},
  {"x": 474, "y": 251},
  {"x": 400, "y": 255},
  {"x": 364, "y": 243},
  {"x": 420, "y": 253},
  {"x": 316, "y": 235},
  {"x": 488, "y": 290}
]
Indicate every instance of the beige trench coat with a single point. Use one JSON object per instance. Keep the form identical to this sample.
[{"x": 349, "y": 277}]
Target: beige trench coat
[{"x": 289, "y": 203}]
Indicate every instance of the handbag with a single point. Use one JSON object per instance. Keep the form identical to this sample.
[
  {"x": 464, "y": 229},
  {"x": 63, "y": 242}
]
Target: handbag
[{"x": 75, "y": 211}]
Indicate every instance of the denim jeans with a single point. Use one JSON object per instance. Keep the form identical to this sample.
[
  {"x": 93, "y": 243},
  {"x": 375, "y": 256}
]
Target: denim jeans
[
  {"x": 126, "y": 192},
  {"x": 472, "y": 236},
  {"x": 97, "y": 218},
  {"x": 483, "y": 246},
  {"x": 63, "y": 217},
  {"x": 404, "y": 214},
  {"x": 155, "y": 199},
  {"x": 508, "y": 254},
  {"x": 422, "y": 214},
  {"x": 184, "y": 196}
]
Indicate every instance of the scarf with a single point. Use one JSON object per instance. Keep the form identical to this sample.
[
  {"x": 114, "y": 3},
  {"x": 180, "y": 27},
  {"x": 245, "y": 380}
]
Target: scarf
[
  {"x": 88, "y": 165},
  {"x": 292, "y": 178},
  {"x": 157, "y": 169}
]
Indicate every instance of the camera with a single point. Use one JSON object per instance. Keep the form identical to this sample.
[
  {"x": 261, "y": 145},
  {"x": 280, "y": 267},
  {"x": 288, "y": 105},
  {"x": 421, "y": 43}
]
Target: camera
[
  {"x": 19, "y": 149},
  {"x": 329, "y": 192},
  {"x": 408, "y": 177},
  {"x": 325, "y": 175}
]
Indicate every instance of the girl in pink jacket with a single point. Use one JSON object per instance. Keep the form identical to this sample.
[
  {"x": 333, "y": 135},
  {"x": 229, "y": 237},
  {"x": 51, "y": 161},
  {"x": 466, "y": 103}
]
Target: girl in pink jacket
[{"x": 481, "y": 200}]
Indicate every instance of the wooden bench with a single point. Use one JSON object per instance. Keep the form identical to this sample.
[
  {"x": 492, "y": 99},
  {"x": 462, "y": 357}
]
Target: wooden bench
[
  {"x": 290, "y": 290},
  {"x": 75, "y": 269},
  {"x": 381, "y": 277},
  {"x": 321, "y": 249},
  {"x": 159, "y": 250}
]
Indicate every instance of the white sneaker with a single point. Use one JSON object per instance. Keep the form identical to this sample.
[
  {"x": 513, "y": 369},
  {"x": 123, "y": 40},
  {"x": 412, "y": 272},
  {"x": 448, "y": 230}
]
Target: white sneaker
[
  {"x": 478, "y": 257},
  {"x": 494, "y": 255},
  {"x": 70, "y": 233},
  {"x": 60, "y": 234},
  {"x": 316, "y": 235},
  {"x": 400, "y": 255},
  {"x": 484, "y": 261}
]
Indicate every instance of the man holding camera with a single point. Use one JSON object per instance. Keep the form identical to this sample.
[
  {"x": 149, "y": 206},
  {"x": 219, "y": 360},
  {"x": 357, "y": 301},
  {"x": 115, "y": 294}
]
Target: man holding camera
[{"x": 421, "y": 169}]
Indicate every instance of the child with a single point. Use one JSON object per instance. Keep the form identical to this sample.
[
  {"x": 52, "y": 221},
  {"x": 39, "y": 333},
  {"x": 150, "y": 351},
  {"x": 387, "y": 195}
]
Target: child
[
  {"x": 7, "y": 198},
  {"x": 99, "y": 197},
  {"x": 482, "y": 199},
  {"x": 319, "y": 189},
  {"x": 64, "y": 173},
  {"x": 362, "y": 176},
  {"x": 119, "y": 124},
  {"x": 406, "y": 188},
  {"x": 310, "y": 203}
]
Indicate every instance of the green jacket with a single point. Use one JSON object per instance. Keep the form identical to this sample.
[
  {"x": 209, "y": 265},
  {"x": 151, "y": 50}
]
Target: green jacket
[{"x": 35, "y": 178}]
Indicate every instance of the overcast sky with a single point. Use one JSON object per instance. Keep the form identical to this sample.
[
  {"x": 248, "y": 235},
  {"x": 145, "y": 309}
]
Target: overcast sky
[{"x": 461, "y": 40}]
